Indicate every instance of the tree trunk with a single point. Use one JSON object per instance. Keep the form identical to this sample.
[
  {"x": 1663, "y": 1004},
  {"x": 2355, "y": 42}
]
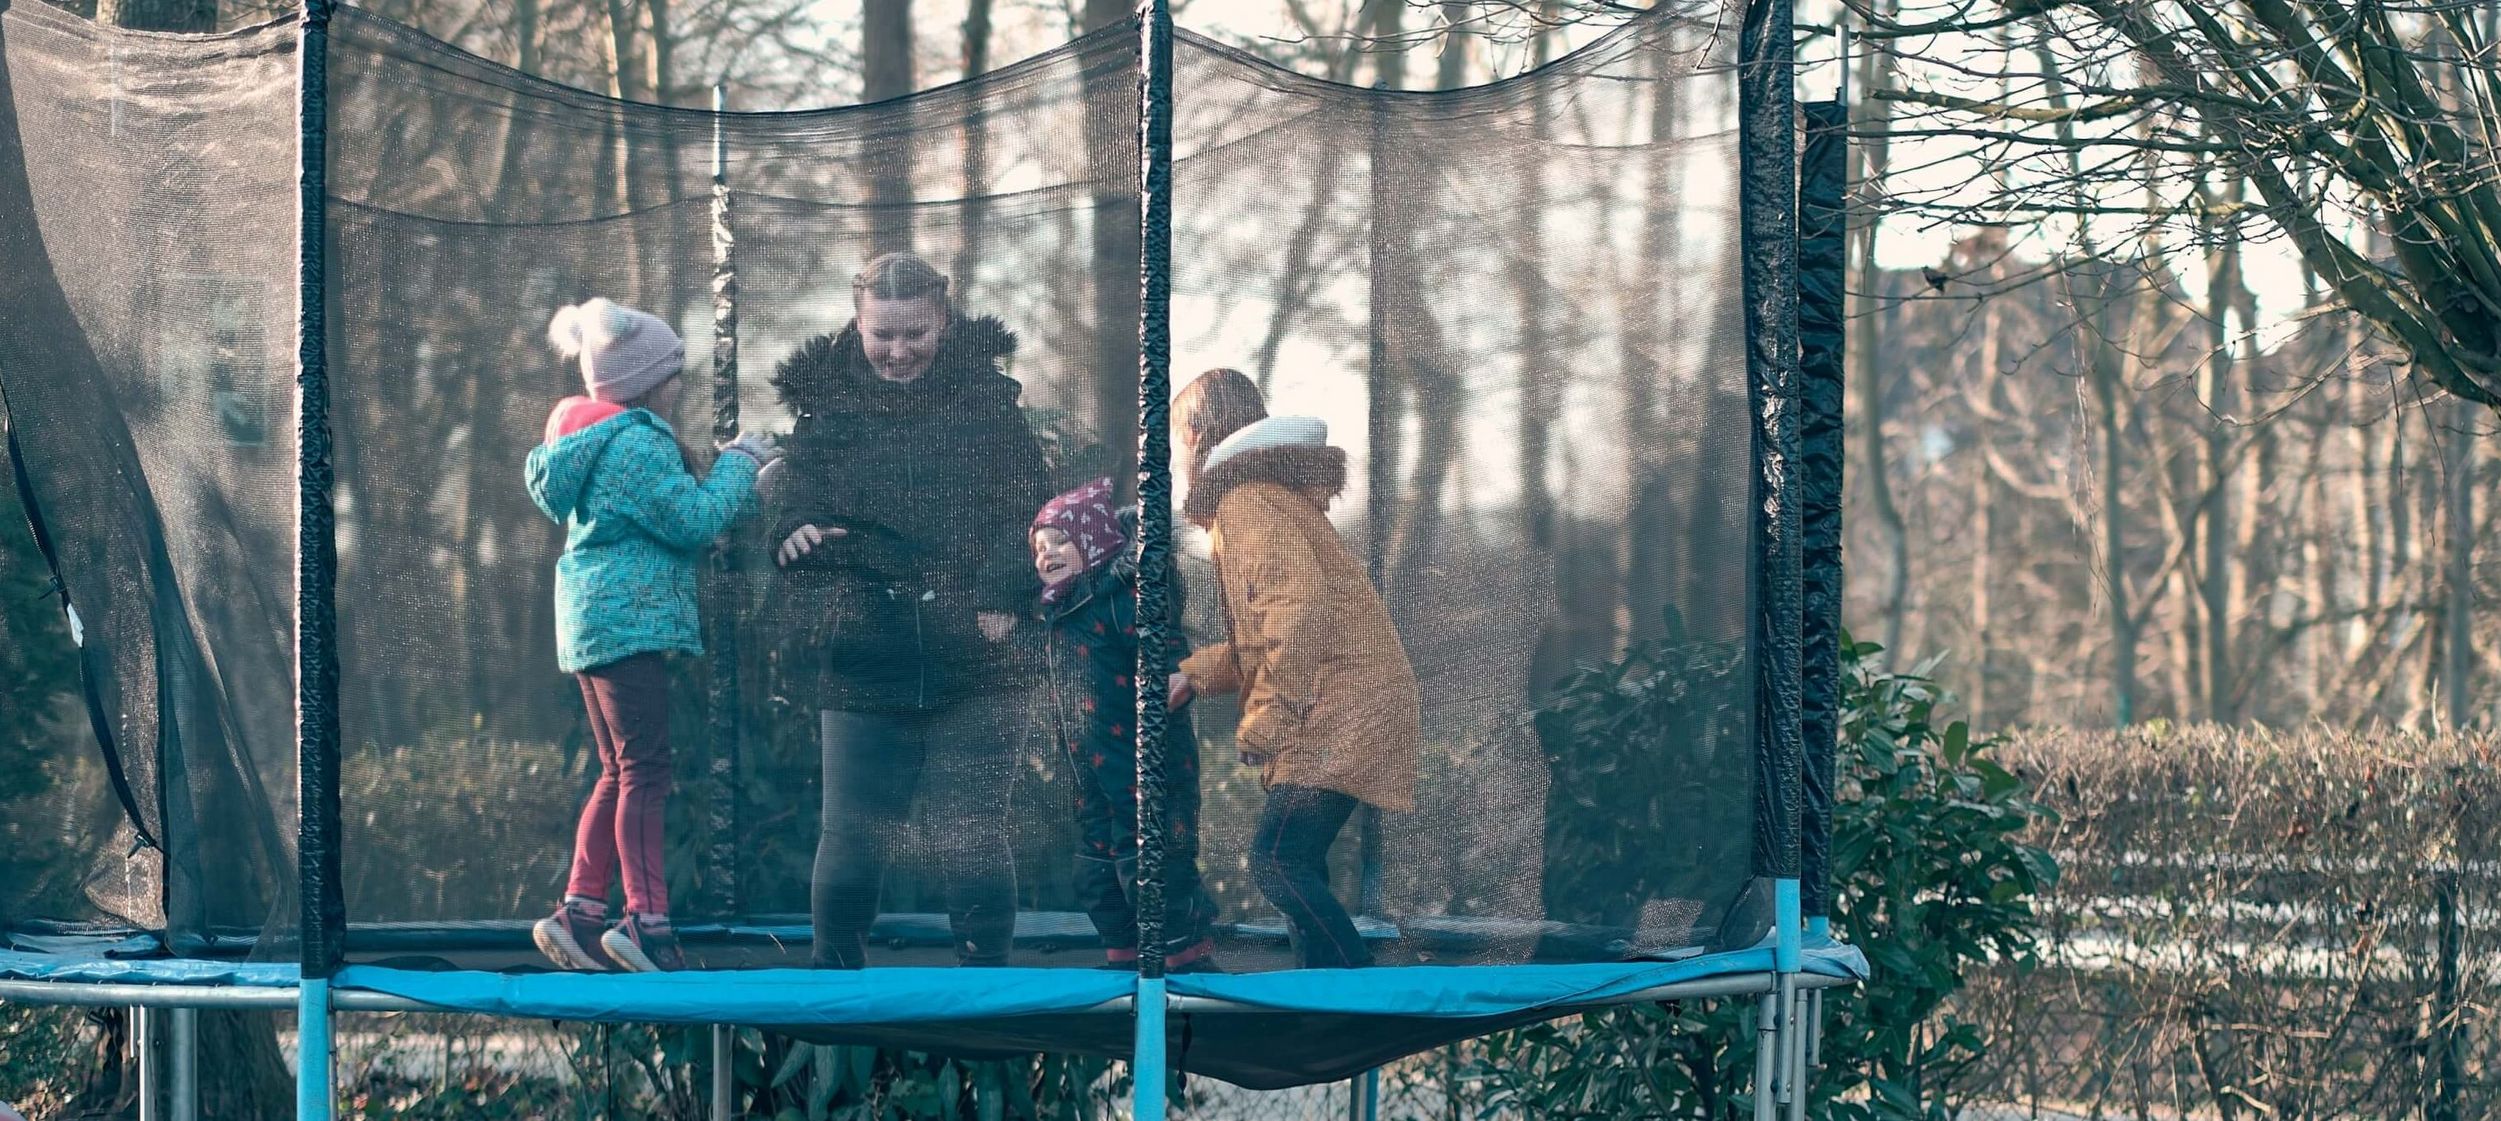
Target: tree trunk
[
  {"x": 660, "y": 77},
  {"x": 2457, "y": 671},
  {"x": 1452, "y": 67},
  {"x": 1386, "y": 392},
  {"x": 111, "y": 1086},
  {"x": 243, "y": 1074},
  {"x": 2107, "y": 369},
  {"x": 976, "y": 150},
  {"x": 1647, "y": 546},
  {"x": 1867, "y": 385},
  {"x": 623, "y": 81},
  {"x": 886, "y": 73},
  {"x": 1112, "y": 157},
  {"x": 1984, "y": 515},
  {"x": 1389, "y": 53},
  {"x": 2214, "y": 578},
  {"x": 525, "y": 35},
  {"x": 159, "y": 15},
  {"x": 885, "y": 49},
  {"x": 1383, "y": 388},
  {"x": 1536, "y": 385}
]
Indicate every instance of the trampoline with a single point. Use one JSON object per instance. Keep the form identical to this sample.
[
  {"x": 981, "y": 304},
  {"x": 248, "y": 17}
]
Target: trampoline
[{"x": 272, "y": 362}]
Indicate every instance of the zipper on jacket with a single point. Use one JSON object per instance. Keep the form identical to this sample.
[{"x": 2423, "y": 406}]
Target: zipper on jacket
[
  {"x": 920, "y": 648},
  {"x": 920, "y": 638}
]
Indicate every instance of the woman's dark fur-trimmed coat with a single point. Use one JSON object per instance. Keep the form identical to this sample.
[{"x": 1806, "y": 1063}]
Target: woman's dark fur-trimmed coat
[{"x": 933, "y": 481}]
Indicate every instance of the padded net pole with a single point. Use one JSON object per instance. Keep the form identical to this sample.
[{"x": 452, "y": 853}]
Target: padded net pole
[
  {"x": 1767, "y": 201},
  {"x": 316, "y": 551},
  {"x": 316, "y": 570},
  {"x": 723, "y": 702},
  {"x": 1823, "y": 227},
  {"x": 1154, "y": 539},
  {"x": 1154, "y": 469}
]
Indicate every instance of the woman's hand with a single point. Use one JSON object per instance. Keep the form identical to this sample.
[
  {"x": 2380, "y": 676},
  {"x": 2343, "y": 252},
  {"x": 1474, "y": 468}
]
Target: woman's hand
[
  {"x": 804, "y": 540},
  {"x": 995, "y": 625},
  {"x": 1178, "y": 691},
  {"x": 769, "y": 478}
]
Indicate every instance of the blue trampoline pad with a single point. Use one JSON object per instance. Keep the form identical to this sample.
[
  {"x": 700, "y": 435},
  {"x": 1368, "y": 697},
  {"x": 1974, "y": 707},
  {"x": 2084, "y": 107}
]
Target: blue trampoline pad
[{"x": 1263, "y": 1030}]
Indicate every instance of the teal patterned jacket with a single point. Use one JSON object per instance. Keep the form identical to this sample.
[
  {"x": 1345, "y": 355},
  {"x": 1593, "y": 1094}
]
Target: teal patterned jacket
[{"x": 636, "y": 526}]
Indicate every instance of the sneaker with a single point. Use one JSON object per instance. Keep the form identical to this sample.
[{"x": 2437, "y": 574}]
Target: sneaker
[
  {"x": 643, "y": 948},
  {"x": 570, "y": 938},
  {"x": 1199, "y": 957}
]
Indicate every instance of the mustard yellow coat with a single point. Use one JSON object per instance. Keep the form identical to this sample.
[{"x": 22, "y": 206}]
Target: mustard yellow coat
[{"x": 1328, "y": 697}]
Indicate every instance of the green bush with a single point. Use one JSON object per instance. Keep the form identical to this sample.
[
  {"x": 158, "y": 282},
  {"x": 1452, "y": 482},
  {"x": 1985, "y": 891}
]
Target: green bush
[
  {"x": 1638, "y": 749},
  {"x": 1933, "y": 880}
]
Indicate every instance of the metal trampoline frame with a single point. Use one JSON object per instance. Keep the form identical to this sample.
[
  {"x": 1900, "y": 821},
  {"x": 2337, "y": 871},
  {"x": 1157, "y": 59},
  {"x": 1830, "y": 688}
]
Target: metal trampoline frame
[{"x": 1791, "y": 791}]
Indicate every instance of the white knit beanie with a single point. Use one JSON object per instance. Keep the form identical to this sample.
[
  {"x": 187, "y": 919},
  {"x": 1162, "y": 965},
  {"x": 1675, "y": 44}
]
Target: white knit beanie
[{"x": 625, "y": 353}]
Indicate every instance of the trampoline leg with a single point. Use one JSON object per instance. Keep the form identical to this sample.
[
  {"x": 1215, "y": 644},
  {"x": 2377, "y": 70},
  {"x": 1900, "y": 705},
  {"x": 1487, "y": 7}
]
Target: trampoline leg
[
  {"x": 143, "y": 1039},
  {"x": 1146, "y": 1067},
  {"x": 1793, "y": 1087},
  {"x": 1815, "y": 1029},
  {"x": 1363, "y": 1096},
  {"x": 1766, "y": 1056},
  {"x": 312, "y": 1050},
  {"x": 185, "y": 1045},
  {"x": 724, "y": 1072}
]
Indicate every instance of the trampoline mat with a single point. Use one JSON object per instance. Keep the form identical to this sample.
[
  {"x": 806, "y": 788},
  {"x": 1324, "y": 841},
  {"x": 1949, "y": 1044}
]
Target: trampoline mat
[{"x": 1271, "y": 1030}]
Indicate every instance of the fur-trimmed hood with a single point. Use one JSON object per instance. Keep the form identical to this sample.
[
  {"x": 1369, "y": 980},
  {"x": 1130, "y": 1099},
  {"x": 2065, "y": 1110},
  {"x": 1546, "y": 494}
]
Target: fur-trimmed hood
[
  {"x": 1292, "y": 452},
  {"x": 830, "y": 374}
]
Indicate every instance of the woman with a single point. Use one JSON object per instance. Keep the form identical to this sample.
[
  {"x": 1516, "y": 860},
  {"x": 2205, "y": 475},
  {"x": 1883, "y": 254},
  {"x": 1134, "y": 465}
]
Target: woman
[{"x": 912, "y": 477}]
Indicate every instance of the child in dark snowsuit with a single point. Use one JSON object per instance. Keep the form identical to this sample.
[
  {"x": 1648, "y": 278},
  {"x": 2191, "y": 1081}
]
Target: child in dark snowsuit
[{"x": 1089, "y": 605}]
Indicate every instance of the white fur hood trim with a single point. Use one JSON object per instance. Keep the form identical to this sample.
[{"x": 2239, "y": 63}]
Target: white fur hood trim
[{"x": 1274, "y": 432}]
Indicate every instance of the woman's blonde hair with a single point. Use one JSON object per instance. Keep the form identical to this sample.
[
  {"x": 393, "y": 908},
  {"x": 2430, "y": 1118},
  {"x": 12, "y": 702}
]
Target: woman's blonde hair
[
  {"x": 901, "y": 275},
  {"x": 1213, "y": 406}
]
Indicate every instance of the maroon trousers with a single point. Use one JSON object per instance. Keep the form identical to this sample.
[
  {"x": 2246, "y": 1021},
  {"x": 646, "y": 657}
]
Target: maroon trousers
[{"x": 621, "y": 826}]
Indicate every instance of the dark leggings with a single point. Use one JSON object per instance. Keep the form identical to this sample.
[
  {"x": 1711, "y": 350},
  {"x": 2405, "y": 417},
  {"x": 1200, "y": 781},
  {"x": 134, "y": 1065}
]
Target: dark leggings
[
  {"x": 1290, "y": 862},
  {"x": 962, "y": 760}
]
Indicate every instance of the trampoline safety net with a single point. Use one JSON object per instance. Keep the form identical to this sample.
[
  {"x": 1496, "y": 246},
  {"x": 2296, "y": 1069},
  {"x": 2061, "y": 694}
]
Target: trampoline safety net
[{"x": 1515, "y": 308}]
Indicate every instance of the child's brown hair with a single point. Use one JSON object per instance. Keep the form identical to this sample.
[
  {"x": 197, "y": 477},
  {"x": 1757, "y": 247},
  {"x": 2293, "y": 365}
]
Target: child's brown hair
[{"x": 1215, "y": 405}]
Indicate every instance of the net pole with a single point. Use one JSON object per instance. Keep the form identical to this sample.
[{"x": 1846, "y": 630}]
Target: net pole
[
  {"x": 149, "y": 1043},
  {"x": 723, "y": 701},
  {"x": 324, "y": 908},
  {"x": 1768, "y": 196},
  {"x": 1768, "y": 207},
  {"x": 1766, "y": 1046},
  {"x": 184, "y": 1046},
  {"x": 724, "y": 1073},
  {"x": 1154, "y": 540},
  {"x": 1822, "y": 220}
]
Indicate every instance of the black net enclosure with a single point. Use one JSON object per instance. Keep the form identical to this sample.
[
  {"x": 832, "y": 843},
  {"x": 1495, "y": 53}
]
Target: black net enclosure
[{"x": 737, "y": 525}]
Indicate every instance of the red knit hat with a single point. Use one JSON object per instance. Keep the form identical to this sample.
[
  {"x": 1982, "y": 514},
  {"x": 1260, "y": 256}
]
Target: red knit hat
[{"x": 1086, "y": 516}]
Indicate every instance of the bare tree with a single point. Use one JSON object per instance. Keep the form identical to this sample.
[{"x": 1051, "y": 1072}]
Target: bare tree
[{"x": 2358, "y": 126}]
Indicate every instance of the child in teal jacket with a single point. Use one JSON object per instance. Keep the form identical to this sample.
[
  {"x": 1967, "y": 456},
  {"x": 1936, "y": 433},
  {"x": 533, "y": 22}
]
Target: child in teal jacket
[{"x": 637, "y": 521}]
